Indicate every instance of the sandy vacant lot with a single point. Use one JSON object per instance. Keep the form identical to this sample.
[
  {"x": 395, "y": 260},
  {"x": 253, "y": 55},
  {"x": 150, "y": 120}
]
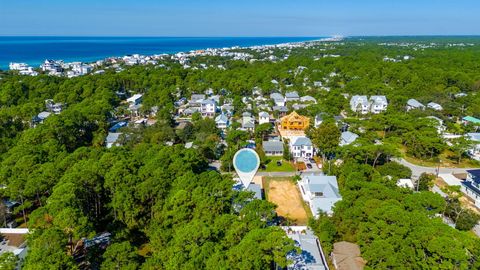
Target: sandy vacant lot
[{"x": 286, "y": 196}]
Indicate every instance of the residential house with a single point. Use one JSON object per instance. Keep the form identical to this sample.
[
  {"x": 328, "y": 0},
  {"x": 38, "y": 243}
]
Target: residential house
[
  {"x": 112, "y": 139},
  {"x": 301, "y": 147},
  {"x": 135, "y": 99},
  {"x": 292, "y": 96},
  {"x": 405, "y": 183},
  {"x": 311, "y": 256},
  {"x": 474, "y": 152},
  {"x": 40, "y": 118},
  {"x": 281, "y": 110},
  {"x": 435, "y": 106},
  {"x": 228, "y": 109},
  {"x": 471, "y": 186},
  {"x": 378, "y": 104},
  {"x": 413, "y": 104},
  {"x": 470, "y": 120},
  {"x": 294, "y": 121},
  {"x": 263, "y": 118},
  {"x": 222, "y": 121},
  {"x": 273, "y": 148},
  {"x": 360, "y": 104},
  {"x": 208, "y": 108},
  {"x": 248, "y": 122},
  {"x": 196, "y": 99},
  {"x": 347, "y": 138},
  {"x": 308, "y": 99},
  {"x": 53, "y": 107},
  {"x": 278, "y": 99},
  {"x": 319, "y": 119},
  {"x": 320, "y": 192}
]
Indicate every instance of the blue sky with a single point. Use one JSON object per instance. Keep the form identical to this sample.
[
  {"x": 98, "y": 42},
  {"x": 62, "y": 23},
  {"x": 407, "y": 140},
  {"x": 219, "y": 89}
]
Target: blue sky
[{"x": 239, "y": 18}]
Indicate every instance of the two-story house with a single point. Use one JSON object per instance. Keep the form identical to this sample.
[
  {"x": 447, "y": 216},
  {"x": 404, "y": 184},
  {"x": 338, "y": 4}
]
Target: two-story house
[
  {"x": 378, "y": 104},
  {"x": 360, "y": 104},
  {"x": 301, "y": 147},
  {"x": 320, "y": 192},
  {"x": 278, "y": 99},
  {"x": 471, "y": 186},
  {"x": 222, "y": 122},
  {"x": 208, "y": 108},
  {"x": 263, "y": 118}
]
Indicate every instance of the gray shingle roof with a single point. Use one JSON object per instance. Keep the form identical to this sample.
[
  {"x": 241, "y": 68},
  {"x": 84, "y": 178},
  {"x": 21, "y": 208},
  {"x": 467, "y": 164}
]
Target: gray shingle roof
[{"x": 272, "y": 146}]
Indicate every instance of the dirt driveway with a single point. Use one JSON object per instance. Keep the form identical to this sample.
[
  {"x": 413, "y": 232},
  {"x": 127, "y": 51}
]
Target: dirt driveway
[{"x": 285, "y": 194}]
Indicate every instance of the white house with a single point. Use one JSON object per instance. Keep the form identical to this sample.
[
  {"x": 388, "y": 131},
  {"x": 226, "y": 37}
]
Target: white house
[
  {"x": 320, "y": 192},
  {"x": 248, "y": 122},
  {"x": 435, "y": 106},
  {"x": 222, "y": 122},
  {"x": 135, "y": 99},
  {"x": 471, "y": 186},
  {"x": 273, "y": 148},
  {"x": 474, "y": 152},
  {"x": 347, "y": 138},
  {"x": 405, "y": 183},
  {"x": 292, "y": 96},
  {"x": 263, "y": 118},
  {"x": 413, "y": 104},
  {"x": 301, "y": 147},
  {"x": 378, "y": 104},
  {"x": 208, "y": 108},
  {"x": 278, "y": 99},
  {"x": 360, "y": 104},
  {"x": 308, "y": 99}
]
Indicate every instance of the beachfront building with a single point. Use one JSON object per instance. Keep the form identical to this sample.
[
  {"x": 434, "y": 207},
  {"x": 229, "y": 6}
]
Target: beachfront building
[{"x": 320, "y": 192}]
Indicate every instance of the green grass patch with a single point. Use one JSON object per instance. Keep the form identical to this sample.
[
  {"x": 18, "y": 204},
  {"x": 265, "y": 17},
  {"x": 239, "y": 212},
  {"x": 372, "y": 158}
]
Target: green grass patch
[{"x": 271, "y": 165}]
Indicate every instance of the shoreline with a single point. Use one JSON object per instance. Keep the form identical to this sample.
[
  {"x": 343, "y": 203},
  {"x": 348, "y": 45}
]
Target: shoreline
[{"x": 93, "y": 59}]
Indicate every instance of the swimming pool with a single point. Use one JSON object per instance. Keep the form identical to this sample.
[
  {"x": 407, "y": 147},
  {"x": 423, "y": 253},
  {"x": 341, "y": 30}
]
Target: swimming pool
[{"x": 246, "y": 160}]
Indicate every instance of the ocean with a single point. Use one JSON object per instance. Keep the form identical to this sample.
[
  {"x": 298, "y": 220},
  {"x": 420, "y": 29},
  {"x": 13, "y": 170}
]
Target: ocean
[{"x": 34, "y": 50}]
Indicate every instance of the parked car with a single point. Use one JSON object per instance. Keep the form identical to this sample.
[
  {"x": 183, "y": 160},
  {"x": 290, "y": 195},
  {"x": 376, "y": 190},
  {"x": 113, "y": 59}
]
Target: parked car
[
  {"x": 309, "y": 166},
  {"x": 312, "y": 160},
  {"x": 279, "y": 163}
]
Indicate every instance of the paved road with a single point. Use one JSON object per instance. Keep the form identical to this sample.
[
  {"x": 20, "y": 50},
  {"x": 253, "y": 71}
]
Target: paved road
[
  {"x": 418, "y": 170},
  {"x": 276, "y": 174}
]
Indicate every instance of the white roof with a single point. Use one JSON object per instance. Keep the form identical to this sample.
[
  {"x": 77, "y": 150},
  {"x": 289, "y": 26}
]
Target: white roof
[
  {"x": 450, "y": 179},
  {"x": 134, "y": 97},
  {"x": 408, "y": 183}
]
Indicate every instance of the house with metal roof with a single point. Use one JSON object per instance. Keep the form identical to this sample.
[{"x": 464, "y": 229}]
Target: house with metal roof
[
  {"x": 320, "y": 192},
  {"x": 263, "y": 118},
  {"x": 347, "y": 138},
  {"x": 435, "y": 106},
  {"x": 311, "y": 255},
  {"x": 471, "y": 186},
  {"x": 222, "y": 121},
  {"x": 413, "y": 104},
  {"x": 301, "y": 147},
  {"x": 308, "y": 99},
  {"x": 360, "y": 104},
  {"x": 378, "y": 104},
  {"x": 292, "y": 96},
  {"x": 273, "y": 148},
  {"x": 470, "y": 120},
  {"x": 278, "y": 99},
  {"x": 112, "y": 139}
]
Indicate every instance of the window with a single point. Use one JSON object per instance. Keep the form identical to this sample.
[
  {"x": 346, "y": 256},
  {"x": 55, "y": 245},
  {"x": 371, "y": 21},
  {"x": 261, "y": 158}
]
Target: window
[{"x": 318, "y": 194}]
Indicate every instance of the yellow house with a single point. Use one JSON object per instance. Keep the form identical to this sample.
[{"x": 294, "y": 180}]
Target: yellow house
[{"x": 294, "y": 121}]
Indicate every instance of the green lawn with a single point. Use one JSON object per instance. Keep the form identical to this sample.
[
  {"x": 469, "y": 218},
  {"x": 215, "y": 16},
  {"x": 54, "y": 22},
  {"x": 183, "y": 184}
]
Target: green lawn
[{"x": 272, "y": 165}]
